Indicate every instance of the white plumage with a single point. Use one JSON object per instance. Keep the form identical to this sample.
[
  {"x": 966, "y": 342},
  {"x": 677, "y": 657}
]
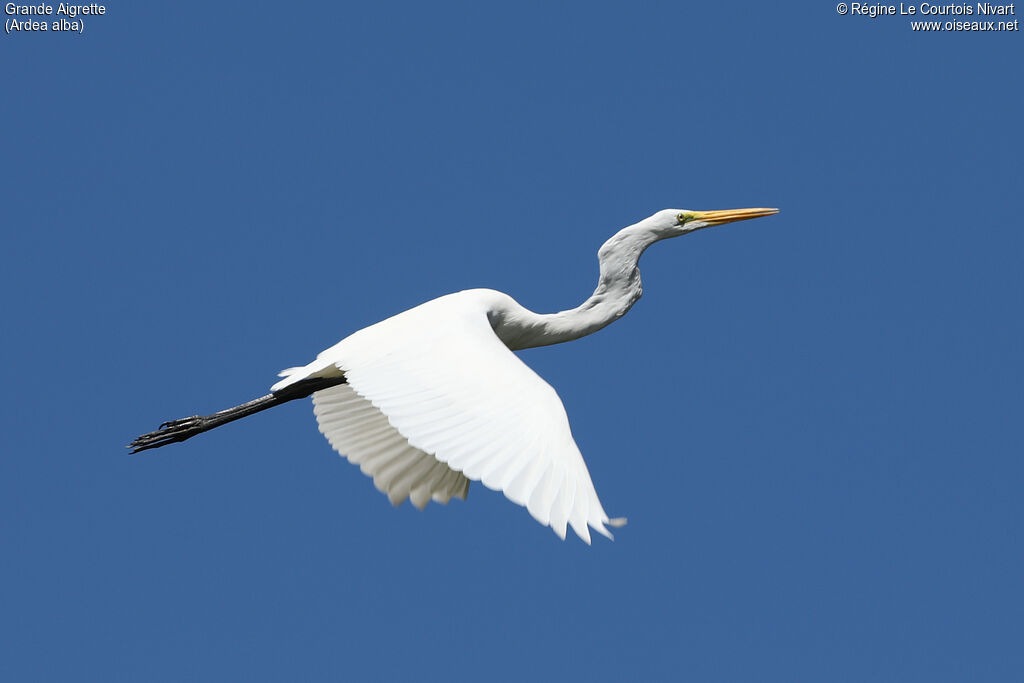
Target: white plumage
[{"x": 434, "y": 399}]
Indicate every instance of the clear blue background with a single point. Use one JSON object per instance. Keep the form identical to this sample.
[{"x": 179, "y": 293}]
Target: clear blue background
[{"x": 813, "y": 421}]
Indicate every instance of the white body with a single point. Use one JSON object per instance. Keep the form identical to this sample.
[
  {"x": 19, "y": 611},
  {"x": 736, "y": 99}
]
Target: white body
[
  {"x": 434, "y": 396},
  {"x": 434, "y": 399}
]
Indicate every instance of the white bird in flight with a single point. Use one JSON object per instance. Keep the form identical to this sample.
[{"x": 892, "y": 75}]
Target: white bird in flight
[{"x": 433, "y": 398}]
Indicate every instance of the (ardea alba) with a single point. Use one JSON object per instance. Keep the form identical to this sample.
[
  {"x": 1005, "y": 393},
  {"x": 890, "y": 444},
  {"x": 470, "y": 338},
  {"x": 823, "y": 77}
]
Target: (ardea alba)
[{"x": 432, "y": 398}]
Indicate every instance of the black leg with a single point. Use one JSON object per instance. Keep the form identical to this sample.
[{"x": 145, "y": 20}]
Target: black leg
[{"x": 187, "y": 427}]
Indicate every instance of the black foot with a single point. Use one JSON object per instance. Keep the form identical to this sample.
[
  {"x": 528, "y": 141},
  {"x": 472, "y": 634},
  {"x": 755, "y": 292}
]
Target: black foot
[
  {"x": 171, "y": 432},
  {"x": 187, "y": 427}
]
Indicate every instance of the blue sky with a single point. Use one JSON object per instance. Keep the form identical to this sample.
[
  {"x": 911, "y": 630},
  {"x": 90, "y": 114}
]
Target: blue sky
[{"x": 812, "y": 421}]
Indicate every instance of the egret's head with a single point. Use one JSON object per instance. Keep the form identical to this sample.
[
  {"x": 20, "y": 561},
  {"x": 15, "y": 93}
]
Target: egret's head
[{"x": 675, "y": 222}]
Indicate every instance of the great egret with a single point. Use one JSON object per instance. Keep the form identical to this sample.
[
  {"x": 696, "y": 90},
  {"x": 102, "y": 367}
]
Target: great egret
[{"x": 432, "y": 398}]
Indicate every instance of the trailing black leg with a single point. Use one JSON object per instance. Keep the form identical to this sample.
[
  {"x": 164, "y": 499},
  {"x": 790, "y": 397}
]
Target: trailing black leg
[{"x": 187, "y": 427}]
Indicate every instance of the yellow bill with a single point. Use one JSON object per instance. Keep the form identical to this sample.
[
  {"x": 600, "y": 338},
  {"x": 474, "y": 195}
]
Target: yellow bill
[{"x": 730, "y": 215}]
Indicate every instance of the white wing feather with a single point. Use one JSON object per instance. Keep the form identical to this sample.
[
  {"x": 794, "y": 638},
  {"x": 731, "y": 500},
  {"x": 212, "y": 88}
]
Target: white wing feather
[
  {"x": 434, "y": 397},
  {"x": 355, "y": 428}
]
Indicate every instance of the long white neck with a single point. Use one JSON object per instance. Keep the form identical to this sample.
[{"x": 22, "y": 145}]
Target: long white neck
[{"x": 618, "y": 288}]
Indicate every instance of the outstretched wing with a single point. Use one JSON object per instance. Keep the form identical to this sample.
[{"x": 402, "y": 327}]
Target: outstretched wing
[{"x": 452, "y": 390}]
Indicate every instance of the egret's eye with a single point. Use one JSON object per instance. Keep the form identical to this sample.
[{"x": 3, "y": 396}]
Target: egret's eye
[{"x": 681, "y": 218}]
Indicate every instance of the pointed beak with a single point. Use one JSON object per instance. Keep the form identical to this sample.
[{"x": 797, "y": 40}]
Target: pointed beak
[{"x": 729, "y": 215}]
